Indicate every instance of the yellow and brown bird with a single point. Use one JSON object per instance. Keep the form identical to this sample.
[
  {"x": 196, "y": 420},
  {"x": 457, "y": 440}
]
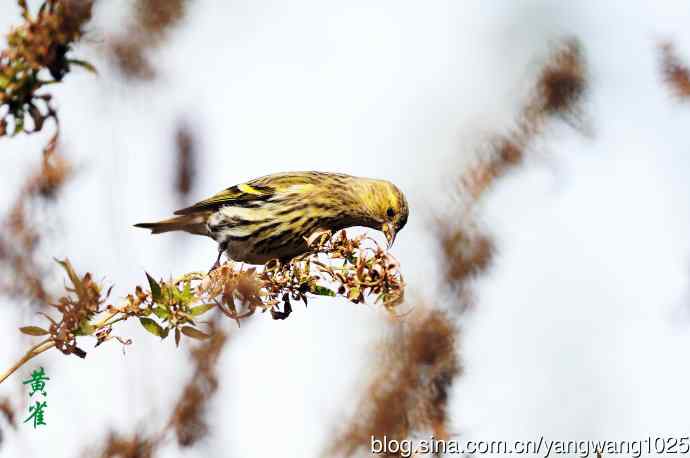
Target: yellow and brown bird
[{"x": 269, "y": 217}]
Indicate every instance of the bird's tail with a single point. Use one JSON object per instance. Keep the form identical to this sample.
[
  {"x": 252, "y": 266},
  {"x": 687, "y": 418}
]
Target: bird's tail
[{"x": 194, "y": 224}]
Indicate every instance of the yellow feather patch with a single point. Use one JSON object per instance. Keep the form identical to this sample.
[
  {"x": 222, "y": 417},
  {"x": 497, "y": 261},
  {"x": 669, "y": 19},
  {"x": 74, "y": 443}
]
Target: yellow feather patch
[{"x": 250, "y": 190}]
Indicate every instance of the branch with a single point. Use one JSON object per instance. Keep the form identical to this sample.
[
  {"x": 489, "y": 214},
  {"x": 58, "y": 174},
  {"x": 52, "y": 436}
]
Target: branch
[
  {"x": 33, "y": 352},
  {"x": 172, "y": 307}
]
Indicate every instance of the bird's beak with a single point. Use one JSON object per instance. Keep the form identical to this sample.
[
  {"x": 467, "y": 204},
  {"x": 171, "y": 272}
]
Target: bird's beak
[{"x": 389, "y": 231}]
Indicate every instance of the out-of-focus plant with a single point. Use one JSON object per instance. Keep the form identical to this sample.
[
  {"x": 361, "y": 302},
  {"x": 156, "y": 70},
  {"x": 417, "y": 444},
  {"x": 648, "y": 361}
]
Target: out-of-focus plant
[
  {"x": 557, "y": 92},
  {"x": 22, "y": 275},
  {"x": 152, "y": 22},
  {"x": 187, "y": 419},
  {"x": 174, "y": 307},
  {"x": 409, "y": 392},
  {"x": 675, "y": 73},
  {"x": 38, "y": 55},
  {"x": 187, "y": 153},
  {"x": 9, "y": 414}
]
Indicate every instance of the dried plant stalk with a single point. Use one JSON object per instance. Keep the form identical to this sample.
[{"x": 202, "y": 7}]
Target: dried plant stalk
[
  {"x": 557, "y": 92},
  {"x": 409, "y": 392},
  {"x": 675, "y": 73},
  {"x": 19, "y": 239}
]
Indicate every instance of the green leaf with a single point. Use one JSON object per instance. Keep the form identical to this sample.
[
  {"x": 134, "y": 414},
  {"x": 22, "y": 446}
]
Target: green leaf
[
  {"x": 18, "y": 124},
  {"x": 153, "y": 327},
  {"x": 85, "y": 65},
  {"x": 155, "y": 288},
  {"x": 161, "y": 313},
  {"x": 322, "y": 291},
  {"x": 176, "y": 294},
  {"x": 187, "y": 294},
  {"x": 353, "y": 294},
  {"x": 201, "y": 309},
  {"x": 33, "y": 331},
  {"x": 194, "y": 333},
  {"x": 85, "y": 328}
]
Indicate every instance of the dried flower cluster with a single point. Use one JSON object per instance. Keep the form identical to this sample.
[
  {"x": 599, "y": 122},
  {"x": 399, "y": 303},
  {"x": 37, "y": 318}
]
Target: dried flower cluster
[
  {"x": 19, "y": 239},
  {"x": 410, "y": 391},
  {"x": 76, "y": 309},
  {"x": 675, "y": 73},
  {"x": 174, "y": 306},
  {"x": 367, "y": 269},
  {"x": 41, "y": 44}
]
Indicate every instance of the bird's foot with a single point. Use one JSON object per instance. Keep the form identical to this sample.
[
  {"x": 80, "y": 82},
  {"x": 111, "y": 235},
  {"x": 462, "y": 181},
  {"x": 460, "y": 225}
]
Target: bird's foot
[{"x": 216, "y": 264}]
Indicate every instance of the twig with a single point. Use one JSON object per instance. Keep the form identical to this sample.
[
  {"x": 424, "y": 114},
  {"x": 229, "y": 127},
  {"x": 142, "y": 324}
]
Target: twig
[{"x": 32, "y": 353}]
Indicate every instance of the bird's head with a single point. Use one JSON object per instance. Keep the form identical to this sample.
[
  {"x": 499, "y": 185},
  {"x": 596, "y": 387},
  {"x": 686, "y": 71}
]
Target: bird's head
[{"x": 387, "y": 208}]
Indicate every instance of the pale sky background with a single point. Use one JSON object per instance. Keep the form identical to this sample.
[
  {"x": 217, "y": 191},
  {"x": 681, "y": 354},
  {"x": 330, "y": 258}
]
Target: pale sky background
[{"x": 581, "y": 328}]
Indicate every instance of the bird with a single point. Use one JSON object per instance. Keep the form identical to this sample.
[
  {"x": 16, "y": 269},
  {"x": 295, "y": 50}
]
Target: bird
[{"x": 270, "y": 218}]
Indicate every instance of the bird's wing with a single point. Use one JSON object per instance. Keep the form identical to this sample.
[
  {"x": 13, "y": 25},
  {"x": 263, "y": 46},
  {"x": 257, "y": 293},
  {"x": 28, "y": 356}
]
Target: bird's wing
[
  {"x": 240, "y": 195},
  {"x": 261, "y": 189}
]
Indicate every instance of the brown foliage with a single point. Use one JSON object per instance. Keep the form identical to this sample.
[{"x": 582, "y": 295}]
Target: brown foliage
[
  {"x": 20, "y": 238},
  {"x": 367, "y": 269},
  {"x": 76, "y": 310},
  {"x": 129, "y": 57},
  {"x": 41, "y": 43},
  {"x": 186, "y": 158},
  {"x": 117, "y": 446},
  {"x": 8, "y": 412},
  {"x": 675, "y": 73},
  {"x": 505, "y": 154},
  {"x": 187, "y": 420},
  {"x": 156, "y": 17},
  {"x": 410, "y": 391},
  {"x": 469, "y": 252},
  {"x": 152, "y": 21},
  {"x": 562, "y": 81},
  {"x": 557, "y": 92},
  {"x": 176, "y": 305}
]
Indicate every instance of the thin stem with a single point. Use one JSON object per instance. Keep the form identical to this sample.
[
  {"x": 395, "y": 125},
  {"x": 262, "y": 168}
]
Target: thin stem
[
  {"x": 104, "y": 321},
  {"x": 120, "y": 318},
  {"x": 33, "y": 352}
]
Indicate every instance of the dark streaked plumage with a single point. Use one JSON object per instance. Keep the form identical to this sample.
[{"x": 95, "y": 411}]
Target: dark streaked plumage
[{"x": 269, "y": 217}]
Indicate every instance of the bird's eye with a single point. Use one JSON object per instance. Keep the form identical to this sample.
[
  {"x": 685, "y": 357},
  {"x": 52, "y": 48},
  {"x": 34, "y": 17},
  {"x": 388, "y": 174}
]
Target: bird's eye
[{"x": 390, "y": 212}]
